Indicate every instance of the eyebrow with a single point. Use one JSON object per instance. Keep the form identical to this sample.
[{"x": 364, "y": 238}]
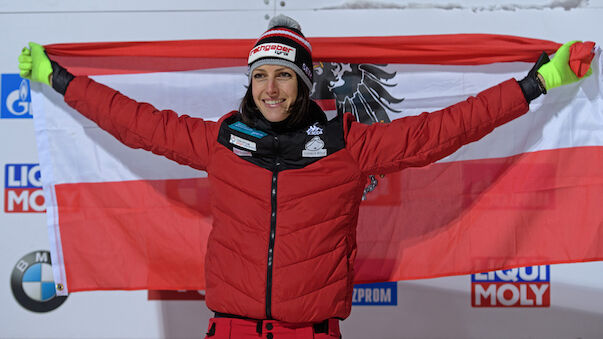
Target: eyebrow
[{"x": 276, "y": 70}]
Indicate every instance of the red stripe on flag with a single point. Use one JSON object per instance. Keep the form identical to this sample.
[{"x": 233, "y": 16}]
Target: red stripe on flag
[
  {"x": 138, "y": 234},
  {"x": 84, "y": 65},
  {"x": 444, "y": 219},
  {"x": 161, "y": 56},
  {"x": 481, "y": 215}
]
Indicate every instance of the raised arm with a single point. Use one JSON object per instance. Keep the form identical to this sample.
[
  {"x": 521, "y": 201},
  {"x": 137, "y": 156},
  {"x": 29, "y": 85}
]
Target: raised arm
[
  {"x": 417, "y": 141},
  {"x": 137, "y": 125},
  {"x": 420, "y": 140}
]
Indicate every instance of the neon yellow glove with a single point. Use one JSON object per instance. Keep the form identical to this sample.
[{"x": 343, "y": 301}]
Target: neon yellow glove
[
  {"x": 34, "y": 64},
  {"x": 558, "y": 72}
]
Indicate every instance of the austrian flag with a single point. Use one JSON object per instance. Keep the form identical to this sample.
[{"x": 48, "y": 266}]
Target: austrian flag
[{"x": 527, "y": 194}]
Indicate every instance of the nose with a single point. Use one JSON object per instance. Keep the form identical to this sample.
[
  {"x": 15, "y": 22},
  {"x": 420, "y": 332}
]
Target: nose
[{"x": 271, "y": 87}]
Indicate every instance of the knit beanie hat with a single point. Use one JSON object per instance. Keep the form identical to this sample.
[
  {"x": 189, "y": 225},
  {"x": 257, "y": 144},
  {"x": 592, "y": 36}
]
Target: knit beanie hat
[{"x": 283, "y": 44}]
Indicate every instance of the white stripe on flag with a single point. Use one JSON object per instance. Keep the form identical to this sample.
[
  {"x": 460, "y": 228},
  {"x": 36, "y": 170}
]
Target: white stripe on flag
[{"x": 81, "y": 152}]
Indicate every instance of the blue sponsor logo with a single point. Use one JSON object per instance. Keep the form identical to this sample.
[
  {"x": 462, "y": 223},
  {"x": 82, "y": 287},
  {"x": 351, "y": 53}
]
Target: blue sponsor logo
[
  {"x": 241, "y": 127},
  {"x": 16, "y": 97},
  {"x": 22, "y": 176},
  {"x": 377, "y": 294}
]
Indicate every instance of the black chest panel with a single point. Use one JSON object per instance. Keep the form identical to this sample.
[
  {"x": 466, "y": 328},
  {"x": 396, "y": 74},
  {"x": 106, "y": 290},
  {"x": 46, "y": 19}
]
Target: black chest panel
[{"x": 290, "y": 149}]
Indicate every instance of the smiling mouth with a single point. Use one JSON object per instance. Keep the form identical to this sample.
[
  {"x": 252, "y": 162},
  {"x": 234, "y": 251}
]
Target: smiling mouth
[{"x": 274, "y": 102}]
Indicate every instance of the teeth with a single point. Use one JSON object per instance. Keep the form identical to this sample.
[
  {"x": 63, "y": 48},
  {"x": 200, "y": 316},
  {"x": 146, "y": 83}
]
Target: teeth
[{"x": 273, "y": 102}]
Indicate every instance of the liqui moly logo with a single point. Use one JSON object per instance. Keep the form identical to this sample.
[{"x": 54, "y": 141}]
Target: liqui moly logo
[
  {"x": 23, "y": 189},
  {"x": 517, "y": 287},
  {"x": 272, "y": 50}
]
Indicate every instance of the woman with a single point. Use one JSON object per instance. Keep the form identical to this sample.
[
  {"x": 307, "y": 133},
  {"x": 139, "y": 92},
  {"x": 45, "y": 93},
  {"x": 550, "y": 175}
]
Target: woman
[{"x": 281, "y": 251}]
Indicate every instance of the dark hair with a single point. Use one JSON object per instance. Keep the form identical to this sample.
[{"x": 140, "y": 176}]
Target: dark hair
[{"x": 300, "y": 110}]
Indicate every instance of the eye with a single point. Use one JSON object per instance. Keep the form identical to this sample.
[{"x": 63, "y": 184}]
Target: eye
[
  {"x": 258, "y": 75},
  {"x": 285, "y": 75}
]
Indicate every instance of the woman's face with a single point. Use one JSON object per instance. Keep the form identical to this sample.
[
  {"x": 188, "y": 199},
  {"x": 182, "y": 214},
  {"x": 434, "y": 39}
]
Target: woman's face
[{"x": 274, "y": 90}]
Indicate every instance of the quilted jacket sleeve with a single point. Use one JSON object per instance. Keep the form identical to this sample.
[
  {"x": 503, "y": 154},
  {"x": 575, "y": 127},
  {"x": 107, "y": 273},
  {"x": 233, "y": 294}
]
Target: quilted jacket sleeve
[
  {"x": 140, "y": 125},
  {"x": 420, "y": 140}
]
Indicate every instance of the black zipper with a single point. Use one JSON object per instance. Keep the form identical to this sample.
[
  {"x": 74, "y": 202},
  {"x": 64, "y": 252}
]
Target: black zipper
[{"x": 273, "y": 191}]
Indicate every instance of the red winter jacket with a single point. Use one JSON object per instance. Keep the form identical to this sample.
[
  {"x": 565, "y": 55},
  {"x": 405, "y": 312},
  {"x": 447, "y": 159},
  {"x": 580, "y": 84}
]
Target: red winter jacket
[{"x": 285, "y": 203}]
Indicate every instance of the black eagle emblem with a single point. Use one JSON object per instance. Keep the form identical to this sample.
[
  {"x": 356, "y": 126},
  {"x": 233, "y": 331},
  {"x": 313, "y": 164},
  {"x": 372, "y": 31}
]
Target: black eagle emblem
[{"x": 361, "y": 89}]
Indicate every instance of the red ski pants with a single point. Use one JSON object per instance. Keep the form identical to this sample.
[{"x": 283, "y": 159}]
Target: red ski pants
[{"x": 226, "y": 328}]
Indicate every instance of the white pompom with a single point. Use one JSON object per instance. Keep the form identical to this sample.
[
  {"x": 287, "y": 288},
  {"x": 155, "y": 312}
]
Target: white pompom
[{"x": 283, "y": 20}]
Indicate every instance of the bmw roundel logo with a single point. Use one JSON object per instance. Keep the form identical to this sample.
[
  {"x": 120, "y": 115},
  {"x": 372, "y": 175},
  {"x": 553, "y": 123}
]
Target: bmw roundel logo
[{"x": 33, "y": 284}]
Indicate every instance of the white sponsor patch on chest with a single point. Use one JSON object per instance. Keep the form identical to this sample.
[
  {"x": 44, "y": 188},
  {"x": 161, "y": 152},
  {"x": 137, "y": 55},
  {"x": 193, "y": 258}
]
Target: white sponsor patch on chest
[
  {"x": 314, "y": 148},
  {"x": 246, "y": 144},
  {"x": 241, "y": 152}
]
